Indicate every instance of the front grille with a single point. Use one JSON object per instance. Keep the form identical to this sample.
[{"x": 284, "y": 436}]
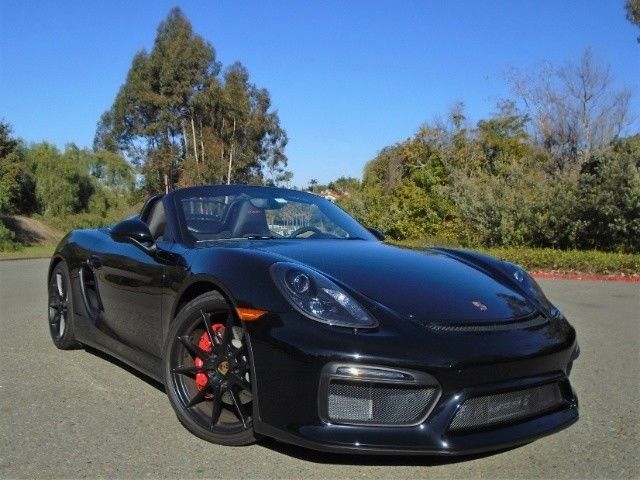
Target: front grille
[
  {"x": 370, "y": 403},
  {"x": 506, "y": 407},
  {"x": 535, "y": 321}
]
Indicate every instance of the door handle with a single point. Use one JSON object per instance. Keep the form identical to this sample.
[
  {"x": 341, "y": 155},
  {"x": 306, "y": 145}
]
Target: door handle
[{"x": 95, "y": 261}]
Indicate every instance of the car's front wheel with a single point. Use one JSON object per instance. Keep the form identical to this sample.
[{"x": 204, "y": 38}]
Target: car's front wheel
[
  {"x": 60, "y": 311},
  {"x": 207, "y": 372}
]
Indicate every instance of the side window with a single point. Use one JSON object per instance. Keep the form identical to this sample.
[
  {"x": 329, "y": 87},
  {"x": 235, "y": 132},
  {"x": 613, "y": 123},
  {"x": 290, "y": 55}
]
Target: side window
[{"x": 157, "y": 221}]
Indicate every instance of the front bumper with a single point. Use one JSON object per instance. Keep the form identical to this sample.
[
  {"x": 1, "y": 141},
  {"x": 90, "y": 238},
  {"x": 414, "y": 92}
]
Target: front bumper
[{"x": 290, "y": 356}]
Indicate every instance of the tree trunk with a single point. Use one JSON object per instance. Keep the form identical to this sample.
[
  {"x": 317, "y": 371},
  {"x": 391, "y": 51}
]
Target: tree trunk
[
  {"x": 220, "y": 136},
  {"x": 195, "y": 144},
  {"x": 233, "y": 132},
  {"x": 184, "y": 141},
  {"x": 201, "y": 144}
]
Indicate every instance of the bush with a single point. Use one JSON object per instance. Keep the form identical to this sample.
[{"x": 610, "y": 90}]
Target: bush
[
  {"x": 566, "y": 261},
  {"x": 583, "y": 261},
  {"x": 7, "y": 239}
]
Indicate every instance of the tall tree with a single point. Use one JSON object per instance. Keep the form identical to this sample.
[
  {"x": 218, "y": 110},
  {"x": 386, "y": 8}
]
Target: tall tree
[
  {"x": 575, "y": 109},
  {"x": 183, "y": 122}
]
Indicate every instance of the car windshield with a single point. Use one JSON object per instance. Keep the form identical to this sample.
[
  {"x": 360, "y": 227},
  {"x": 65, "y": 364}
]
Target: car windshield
[{"x": 219, "y": 213}]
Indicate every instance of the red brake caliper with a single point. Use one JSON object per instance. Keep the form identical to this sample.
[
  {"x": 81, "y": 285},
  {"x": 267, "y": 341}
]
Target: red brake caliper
[{"x": 205, "y": 344}]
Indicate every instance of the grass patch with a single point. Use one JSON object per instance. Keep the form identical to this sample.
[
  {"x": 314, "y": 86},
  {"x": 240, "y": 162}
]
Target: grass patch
[
  {"x": 565, "y": 261},
  {"x": 31, "y": 251}
]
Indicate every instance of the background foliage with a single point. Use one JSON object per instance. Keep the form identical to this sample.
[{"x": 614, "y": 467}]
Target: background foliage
[
  {"x": 551, "y": 168},
  {"x": 74, "y": 188},
  {"x": 548, "y": 169}
]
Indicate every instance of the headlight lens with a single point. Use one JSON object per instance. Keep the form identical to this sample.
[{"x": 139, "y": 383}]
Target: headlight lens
[{"x": 317, "y": 297}]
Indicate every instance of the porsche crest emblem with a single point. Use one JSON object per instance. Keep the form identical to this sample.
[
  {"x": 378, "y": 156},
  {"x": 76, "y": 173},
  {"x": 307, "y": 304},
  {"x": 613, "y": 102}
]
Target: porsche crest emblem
[
  {"x": 223, "y": 367},
  {"x": 479, "y": 305}
]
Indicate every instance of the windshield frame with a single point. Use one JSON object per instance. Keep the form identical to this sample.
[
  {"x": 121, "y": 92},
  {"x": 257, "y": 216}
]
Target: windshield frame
[{"x": 354, "y": 227}]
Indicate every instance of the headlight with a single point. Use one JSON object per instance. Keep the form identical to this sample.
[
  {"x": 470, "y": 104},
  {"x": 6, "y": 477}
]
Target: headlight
[
  {"x": 531, "y": 287},
  {"x": 318, "y": 298}
]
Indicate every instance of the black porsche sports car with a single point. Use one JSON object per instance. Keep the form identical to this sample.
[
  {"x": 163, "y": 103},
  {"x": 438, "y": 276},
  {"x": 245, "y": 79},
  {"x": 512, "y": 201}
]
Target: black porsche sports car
[{"x": 267, "y": 311}]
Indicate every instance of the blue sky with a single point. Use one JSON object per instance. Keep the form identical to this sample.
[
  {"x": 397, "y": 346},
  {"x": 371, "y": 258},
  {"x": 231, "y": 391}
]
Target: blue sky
[{"x": 347, "y": 77}]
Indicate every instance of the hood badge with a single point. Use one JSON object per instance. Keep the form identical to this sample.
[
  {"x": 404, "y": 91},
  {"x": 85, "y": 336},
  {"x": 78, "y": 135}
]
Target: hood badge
[{"x": 479, "y": 305}]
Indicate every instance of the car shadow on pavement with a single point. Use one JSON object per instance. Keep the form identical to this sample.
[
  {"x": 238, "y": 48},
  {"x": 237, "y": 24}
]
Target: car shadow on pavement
[
  {"x": 119, "y": 363},
  {"x": 349, "y": 458},
  {"x": 314, "y": 456}
]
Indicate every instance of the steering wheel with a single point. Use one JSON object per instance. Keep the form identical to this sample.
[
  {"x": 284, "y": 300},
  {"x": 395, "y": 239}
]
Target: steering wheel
[{"x": 301, "y": 230}]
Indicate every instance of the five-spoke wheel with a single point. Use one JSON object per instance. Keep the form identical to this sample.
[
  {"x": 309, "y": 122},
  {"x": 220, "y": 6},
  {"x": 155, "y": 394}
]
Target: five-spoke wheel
[{"x": 208, "y": 372}]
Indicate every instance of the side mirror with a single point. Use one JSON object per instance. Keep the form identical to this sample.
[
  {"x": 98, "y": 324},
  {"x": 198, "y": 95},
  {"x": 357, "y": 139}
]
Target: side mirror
[
  {"x": 132, "y": 230},
  {"x": 376, "y": 233}
]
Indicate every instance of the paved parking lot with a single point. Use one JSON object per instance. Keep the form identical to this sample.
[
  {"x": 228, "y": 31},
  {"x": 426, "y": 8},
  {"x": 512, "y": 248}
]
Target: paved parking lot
[{"x": 78, "y": 414}]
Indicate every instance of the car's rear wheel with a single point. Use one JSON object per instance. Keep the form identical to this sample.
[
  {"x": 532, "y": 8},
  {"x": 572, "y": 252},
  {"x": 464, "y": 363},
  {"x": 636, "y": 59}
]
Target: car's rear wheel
[
  {"x": 60, "y": 312},
  {"x": 207, "y": 372}
]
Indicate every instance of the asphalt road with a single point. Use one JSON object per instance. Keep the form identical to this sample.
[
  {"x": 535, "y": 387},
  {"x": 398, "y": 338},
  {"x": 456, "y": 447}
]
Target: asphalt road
[{"x": 77, "y": 414}]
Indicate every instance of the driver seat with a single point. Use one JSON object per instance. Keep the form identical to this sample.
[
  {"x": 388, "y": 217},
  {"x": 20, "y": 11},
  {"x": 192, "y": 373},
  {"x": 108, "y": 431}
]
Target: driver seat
[{"x": 250, "y": 220}]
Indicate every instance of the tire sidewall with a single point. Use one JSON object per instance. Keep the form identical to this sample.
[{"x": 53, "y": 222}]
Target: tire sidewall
[
  {"x": 207, "y": 302},
  {"x": 67, "y": 340}
]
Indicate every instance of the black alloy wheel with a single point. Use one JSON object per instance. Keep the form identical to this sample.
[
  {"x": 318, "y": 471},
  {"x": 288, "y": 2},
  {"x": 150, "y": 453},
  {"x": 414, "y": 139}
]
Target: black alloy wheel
[
  {"x": 207, "y": 372},
  {"x": 60, "y": 311}
]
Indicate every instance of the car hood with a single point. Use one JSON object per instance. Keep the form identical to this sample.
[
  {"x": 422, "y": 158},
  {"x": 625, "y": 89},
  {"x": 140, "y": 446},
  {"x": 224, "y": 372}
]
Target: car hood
[{"x": 427, "y": 285}]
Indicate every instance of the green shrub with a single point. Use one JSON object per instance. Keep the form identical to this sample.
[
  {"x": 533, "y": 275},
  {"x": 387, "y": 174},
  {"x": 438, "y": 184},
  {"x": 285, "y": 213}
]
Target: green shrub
[
  {"x": 549, "y": 259},
  {"x": 583, "y": 261},
  {"x": 7, "y": 239}
]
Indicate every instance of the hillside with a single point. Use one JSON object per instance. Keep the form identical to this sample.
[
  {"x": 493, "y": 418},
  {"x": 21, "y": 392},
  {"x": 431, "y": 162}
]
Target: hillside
[{"x": 30, "y": 231}]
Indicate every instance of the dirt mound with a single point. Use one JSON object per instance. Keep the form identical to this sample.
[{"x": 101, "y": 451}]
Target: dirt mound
[{"x": 30, "y": 231}]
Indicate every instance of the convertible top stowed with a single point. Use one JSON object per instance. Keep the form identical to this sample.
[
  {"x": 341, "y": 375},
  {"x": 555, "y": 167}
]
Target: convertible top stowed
[{"x": 271, "y": 311}]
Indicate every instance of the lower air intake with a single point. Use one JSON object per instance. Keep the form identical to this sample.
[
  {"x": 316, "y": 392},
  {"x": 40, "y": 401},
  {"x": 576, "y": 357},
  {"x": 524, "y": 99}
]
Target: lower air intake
[
  {"x": 507, "y": 407},
  {"x": 371, "y": 403}
]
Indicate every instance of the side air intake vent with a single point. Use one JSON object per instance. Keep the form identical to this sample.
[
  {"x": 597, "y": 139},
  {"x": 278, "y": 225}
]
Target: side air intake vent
[
  {"x": 89, "y": 291},
  {"x": 380, "y": 404},
  {"x": 371, "y": 395},
  {"x": 507, "y": 407}
]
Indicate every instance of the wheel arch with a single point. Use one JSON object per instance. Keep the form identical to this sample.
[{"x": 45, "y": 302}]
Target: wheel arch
[
  {"x": 196, "y": 286},
  {"x": 55, "y": 260}
]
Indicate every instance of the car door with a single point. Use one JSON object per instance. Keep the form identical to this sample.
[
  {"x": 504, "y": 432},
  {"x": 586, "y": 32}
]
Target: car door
[{"x": 130, "y": 280}]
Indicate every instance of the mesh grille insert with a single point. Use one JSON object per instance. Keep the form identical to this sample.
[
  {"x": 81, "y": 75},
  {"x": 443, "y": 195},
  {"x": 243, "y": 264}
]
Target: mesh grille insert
[
  {"x": 507, "y": 407},
  {"x": 377, "y": 403}
]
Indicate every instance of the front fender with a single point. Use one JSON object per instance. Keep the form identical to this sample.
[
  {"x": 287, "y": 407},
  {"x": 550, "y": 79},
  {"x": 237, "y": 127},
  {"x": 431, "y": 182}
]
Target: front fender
[{"x": 241, "y": 275}]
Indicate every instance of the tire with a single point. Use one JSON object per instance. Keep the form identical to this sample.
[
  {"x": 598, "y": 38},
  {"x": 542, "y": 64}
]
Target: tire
[
  {"x": 207, "y": 372},
  {"x": 60, "y": 308}
]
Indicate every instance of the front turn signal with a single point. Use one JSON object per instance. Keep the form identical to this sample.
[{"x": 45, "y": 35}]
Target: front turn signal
[{"x": 249, "y": 314}]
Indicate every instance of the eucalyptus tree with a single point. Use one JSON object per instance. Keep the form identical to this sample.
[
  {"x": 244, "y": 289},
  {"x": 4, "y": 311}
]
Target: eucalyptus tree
[{"x": 184, "y": 120}]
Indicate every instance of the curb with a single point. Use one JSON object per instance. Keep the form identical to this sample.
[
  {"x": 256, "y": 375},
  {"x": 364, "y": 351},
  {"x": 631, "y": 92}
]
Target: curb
[
  {"x": 15, "y": 259},
  {"x": 586, "y": 276}
]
